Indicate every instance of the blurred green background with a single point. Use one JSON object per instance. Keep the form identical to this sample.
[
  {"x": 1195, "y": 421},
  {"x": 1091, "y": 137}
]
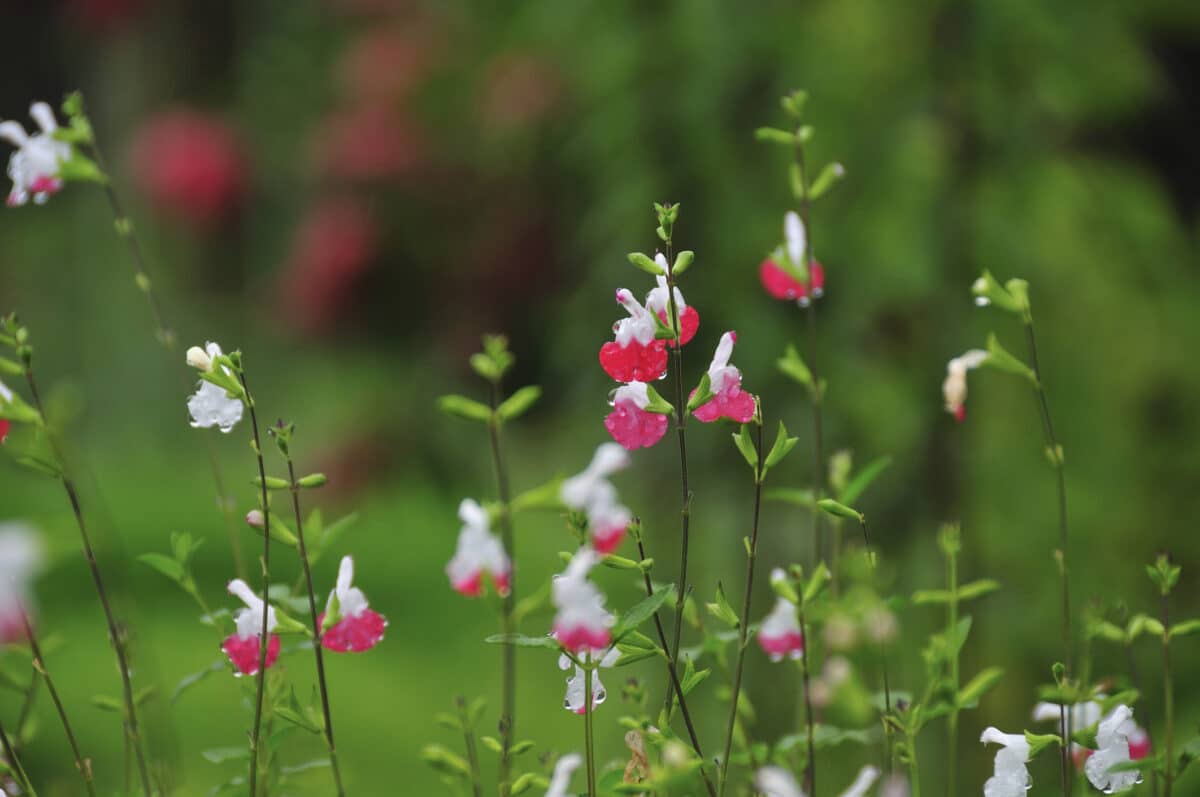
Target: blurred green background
[{"x": 352, "y": 191}]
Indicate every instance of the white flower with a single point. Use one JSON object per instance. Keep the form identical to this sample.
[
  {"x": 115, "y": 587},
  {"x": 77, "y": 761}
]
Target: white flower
[
  {"x": 954, "y": 389},
  {"x": 1083, "y": 715},
  {"x": 1010, "y": 777},
  {"x": 592, "y": 493},
  {"x": 576, "y": 696},
  {"x": 36, "y": 165},
  {"x": 210, "y": 405},
  {"x": 638, "y": 327},
  {"x": 582, "y": 622},
  {"x": 793, "y": 232},
  {"x": 866, "y": 778},
  {"x": 719, "y": 369},
  {"x": 249, "y": 620},
  {"x": 659, "y": 301},
  {"x": 1112, "y": 737},
  {"x": 561, "y": 779},
  {"x": 584, "y": 489},
  {"x": 777, "y": 782},
  {"x": 478, "y": 552},
  {"x": 636, "y": 392},
  {"x": 20, "y": 558}
]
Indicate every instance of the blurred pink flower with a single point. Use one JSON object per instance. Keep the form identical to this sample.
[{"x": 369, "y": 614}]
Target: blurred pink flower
[
  {"x": 192, "y": 164},
  {"x": 333, "y": 246},
  {"x": 385, "y": 65},
  {"x": 366, "y": 143},
  {"x": 360, "y": 627}
]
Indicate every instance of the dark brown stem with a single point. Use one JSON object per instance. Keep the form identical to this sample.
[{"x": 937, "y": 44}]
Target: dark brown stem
[
  {"x": 114, "y": 632},
  {"x": 815, "y": 389},
  {"x": 316, "y": 626}
]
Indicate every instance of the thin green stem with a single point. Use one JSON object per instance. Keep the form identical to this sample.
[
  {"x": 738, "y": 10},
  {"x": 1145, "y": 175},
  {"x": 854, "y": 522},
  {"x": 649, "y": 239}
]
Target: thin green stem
[
  {"x": 673, "y": 675},
  {"x": 1168, "y": 703},
  {"x": 508, "y": 698},
  {"x": 914, "y": 770},
  {"x": 115, "y": 636},
  {"x": 316, "y": 626},
  {"x": 588, "y": 735},
  {"x": 469, "y": 743},
  {"x": 263, "y": 639},
  {"x": 18, "y": 770},
  {"x": 887, "y": 687},
  {"x": 82, "y": 764},
  {"x": 952, "y": 722},
  {"x": 810, "y": 768},
  {"x": 744, "y": 624}
]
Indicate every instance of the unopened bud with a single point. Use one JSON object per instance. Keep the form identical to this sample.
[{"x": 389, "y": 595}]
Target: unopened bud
[
  {"x": 255, "y": 519},
  {"x": 198, "y": 358}
]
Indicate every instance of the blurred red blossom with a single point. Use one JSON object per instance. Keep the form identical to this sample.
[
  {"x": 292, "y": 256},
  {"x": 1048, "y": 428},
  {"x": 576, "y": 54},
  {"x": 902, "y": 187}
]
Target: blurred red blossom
[
  {"x": 192, "y": 164},
  {"x": 366, "y": 143},
  {"x": 333, "y": 246},
  {"x": 385, "y": 65}
]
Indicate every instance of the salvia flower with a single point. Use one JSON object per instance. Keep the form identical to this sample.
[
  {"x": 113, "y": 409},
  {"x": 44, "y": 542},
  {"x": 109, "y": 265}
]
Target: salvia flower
[
  {"x": 360, "y": 627},
  {"x": 1112, "y": 737},
  {"x": 36, "y": 166},
  {"x": 1010, "y": 777},
  {"x": 582, "y": 622},
  {"x": 780, "y": 634},
  {"x": 243, "y": 645},
  {"x": 658, "y": 301},
  {"x": 6, "y": 396},
  {"x": 478, "y": 552},
  {"x": 954, "y": 389},
  {"x": 211, "y": 405},
  {"x": 20, "y": 558},
  {"x": 783, "y": 273},
  {"x": 564, "y": 768},
  {"x": 591, "y": 492},
  {"x": 630, "y": 423},
  {"x": 725, "y": 381},
  {"x": 576, "y": 697},
  {"x": 635, "y": 355}
]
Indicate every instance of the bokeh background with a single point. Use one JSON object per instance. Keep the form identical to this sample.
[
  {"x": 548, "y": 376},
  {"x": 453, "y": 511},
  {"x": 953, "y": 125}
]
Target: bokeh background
[{"x": 352, "y": 191}]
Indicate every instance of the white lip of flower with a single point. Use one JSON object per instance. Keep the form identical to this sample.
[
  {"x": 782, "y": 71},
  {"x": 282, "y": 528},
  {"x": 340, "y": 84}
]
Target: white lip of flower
[
  {"x": 211, "y": 406},
  {"x": 794, "y": 235},
  {"x": 20, "y": 557},
  {"x": 351, "y": 600},
  {"x": 954, "y": 389},
  {"x": 38, "y": 158},
  {"x": 1112, "y": 737},
  {"x": 249, "y": 620},
  {"x": 478, "y": 550},
  {"x": 720, "y": 369},
  {"x": 639, "y": 326},
  {"x": 658, "y": 300},
  {"x": 199, "y": 359},
  {"x": 561, "y": 779},
  {"x": 576, "y": 688},
  {"x": 777, "y": 782},
  {"x": 1010, "y": 776},
  {"x": 578, "y": 491},
  {"x": 866, "y": 779},
  {"x": 1083, "y": 715},
  {"x": 637, "y": 392},
  {"x": 6, "y": 395},
  {"x": 578, "y": 600}
]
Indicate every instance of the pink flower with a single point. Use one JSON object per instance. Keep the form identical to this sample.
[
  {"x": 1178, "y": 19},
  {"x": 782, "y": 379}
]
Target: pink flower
[
  {"x": 20, "y": 559},
  {"x": 478, "y": 552},
  {"x": 783, "y": 273},
  {"x": 192, "y": 164},
  {"x": 630, "y": 423},
  {"x": 4, "y": 427},
  {"x": 386, "y": 64},
  {"x": 36, "y": 165},
  {"x": 591, "y": 492},
  {"x": 658, "y": 301},
  {"x": 360, "y": 628},
  {"x": 243, "y": 646},
  {"x": 582, "y": 621},
  {"x": 6, "y": 396},
  {"x": 576, "y": 698},
  {"x": 367, "y": 143},
  {"x": 635, "y": 355},
  {"x": 333, "y": 247},
  {"x": 725, "y": 381},
  {"x": 779, "y": 635}
]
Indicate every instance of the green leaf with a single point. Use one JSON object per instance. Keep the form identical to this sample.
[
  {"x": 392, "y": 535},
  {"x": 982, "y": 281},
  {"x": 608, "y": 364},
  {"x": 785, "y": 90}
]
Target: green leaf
[
  {"x": 701, "y": 395},
  {"x": 863, "y": 479},
  {"x": 492, "y": 743},
  {"x": 1184, "y": 628},
  {"x": 774, "y": 135},
  {"x": 683, "y": 261},
  {"x": 312, "y": 480},
  {"x": 793, "y": 366},
  {"x": 800, "y": 496},
  {"x": 691, "y": 676},
  {"x": 519, "y": 402},
  {"x": 165, "y": 565},
  {"x": 646, "y": 264},
  {"x": 544, "y": 496},
  {"x": 1040, "y": 741},
  {"x": 977, "y": 687},
  {"x": 924, "y": 597},
  {"x": 219, "y": 755},
  {"x": 744, "y": 444},
  {"x": 445, "y": 761},
  {"x": 80, "y": 169},
  {"x": 523, "y": 641},
  {"x": 106, "y": 703},
  {"x": 463, "y": 407},
  {"x": 999, "y": 358},
  {"x": 988, "y": 290},
  {"x": 722, "y": 610},
  {"x": 828, "y": 177},
  {"x": 977, "y": 589},
  {"x": 838, "y": 509},
  {"x": 641, "y": 612},
  {"x": 816, "y": 582},
  {"x": 783, "y": 444}
]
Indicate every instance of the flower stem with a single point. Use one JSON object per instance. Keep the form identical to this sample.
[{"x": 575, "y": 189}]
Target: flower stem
[
  {"x": 508, "y": 697},
  {"x": 952, "y": 720},
  {"x": 588, "y": 739},
  {"x": 263, "y": 640},
  {"x": 316, "y": 626},
  {"x": 914, "y": 770},
  {"x": 744, "y": 625},
  {"x": 810, "y": 767},
  {"x": 673, "y": 675},
  {"x": 469, "y": 742},
  {"x": 18, "y": 770},
  {"x": 114, "y": 633},
  {"x": 887, "y": 688},
  {"x": 1168, "y": 703},
  {"x": 39, "y": 666}
]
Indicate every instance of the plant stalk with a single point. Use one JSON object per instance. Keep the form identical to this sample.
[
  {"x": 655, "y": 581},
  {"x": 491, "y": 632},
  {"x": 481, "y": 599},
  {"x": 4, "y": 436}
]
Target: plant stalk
[
  {"x": 810, "y": 768},
  {"x": 588, "y": 735},
  {"x": 469, "y": 743},
  {"x": 18, "y": 770},
  {"x": 887, "y": 688},
  {"x": 1168, "y": 703}
]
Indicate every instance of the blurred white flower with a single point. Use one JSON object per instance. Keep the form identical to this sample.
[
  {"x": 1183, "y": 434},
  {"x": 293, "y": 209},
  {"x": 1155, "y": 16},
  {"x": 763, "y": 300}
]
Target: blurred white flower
[
  {"x": 582, "y": 622},
  {"x": 478, "y": 552},
  {"x": 20, "y": 558},
  {"x": 954, "y": 389},
  {"x": 1112, "y": 737},
  {"x": 210, "y": 405},
  {"x": 775, "y": 781},
  {"x": 36, "y": 165},
  {"x": 1010, "y": 777},
  {"x": 591, "y": 492},
  {"x": 576, "y": 697},
  {"x": 561, "y": 779},
  {"x": 779, "y": 635}
]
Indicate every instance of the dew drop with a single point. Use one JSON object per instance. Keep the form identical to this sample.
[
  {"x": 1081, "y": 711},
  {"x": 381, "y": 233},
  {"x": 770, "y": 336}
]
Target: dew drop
[{"x": 982, "y": 301}]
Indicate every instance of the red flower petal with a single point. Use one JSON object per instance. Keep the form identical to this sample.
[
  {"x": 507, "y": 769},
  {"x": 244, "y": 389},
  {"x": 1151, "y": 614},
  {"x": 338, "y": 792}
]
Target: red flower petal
[
  {"x": 780, "y": 284},
  {"x": 732, "y": 403},
  {"x": 577, "y": 638},
  {"x": 354, "y": 634},
  {"x": 469, "y": 587},
  {"x": 4, "y": 427},
  {"x": 608, "y": 540},
  {"x": 1139, "y": 745},
  {"x": 634, "y": 427},
  {"x": 635, "y": 362},
  {"x": 244, "y": 653},
  {"x": 783, "y": 645},
  {"x": 689, "y": 322}
]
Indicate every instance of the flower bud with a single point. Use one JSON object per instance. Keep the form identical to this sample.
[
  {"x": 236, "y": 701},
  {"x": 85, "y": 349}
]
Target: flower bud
[
  {"x": 198, "y": 358},
  {"x": 254, "y": 518}
]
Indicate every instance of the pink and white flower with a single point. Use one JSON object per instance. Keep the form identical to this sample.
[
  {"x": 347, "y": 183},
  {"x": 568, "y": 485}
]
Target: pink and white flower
[
  {"x": 243, "y": 646},
  {"x": 478, "y": 552},
  {"x": 658, "y": 301},
  {"x": 725, "y": 381},
  {"x": 635, "y": 355},
  {"x": 360, "y": 627},
  {"x": 582, "y": 622},
  {"x": 1010, "y": 776},
  {"x": 781, "y": 273},
  {"x": 211, "y": 405},
  {"x": 20, "y": 558},
  {"x": 630, "y": 423},
  {"x": 954, "y": 389},
  {"x": 36, "y": 166},
  {"x": 576, "y": 696},
  {"x": 1112, "y": 737},
  {"x": 591, "y": 492},
  {"x": 780, "y": 635},
  {"x": 6, "y": 396}
]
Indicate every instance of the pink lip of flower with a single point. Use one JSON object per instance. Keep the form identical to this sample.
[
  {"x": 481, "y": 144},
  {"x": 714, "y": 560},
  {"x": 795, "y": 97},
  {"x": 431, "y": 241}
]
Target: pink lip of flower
[
  {"x": 360, "y": 628},
  {"x": 629, "y": 423},
  {"x": 245, "y": 653},
  {"x": 725, "y": 381},
  {"x": 1139, "y": 745},
  {"x": 789, "y": 644},
  {"x": 780, "y": 284},
  {"x": 4, "y": 427},
  {"x": 580, "y": 637}
]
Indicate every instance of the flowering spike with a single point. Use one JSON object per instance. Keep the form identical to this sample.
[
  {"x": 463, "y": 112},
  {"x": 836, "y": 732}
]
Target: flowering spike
[
  {"x": 725, "y": 381},
  {"x": 360, "y": 628},
  {"x": 478, "y": 552}
]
